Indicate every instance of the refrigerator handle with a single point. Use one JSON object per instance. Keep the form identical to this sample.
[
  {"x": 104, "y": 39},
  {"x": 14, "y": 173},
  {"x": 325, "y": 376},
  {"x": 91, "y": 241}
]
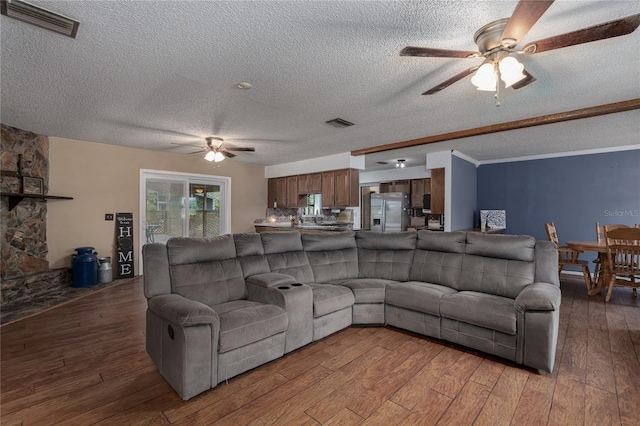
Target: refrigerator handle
[{"x": 383, "y": 219}]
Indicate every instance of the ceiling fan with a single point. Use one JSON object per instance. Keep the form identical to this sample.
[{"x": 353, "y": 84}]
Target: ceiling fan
[
  {"x": 215, "y": 151},
  {"x": 497, "y": 41}
]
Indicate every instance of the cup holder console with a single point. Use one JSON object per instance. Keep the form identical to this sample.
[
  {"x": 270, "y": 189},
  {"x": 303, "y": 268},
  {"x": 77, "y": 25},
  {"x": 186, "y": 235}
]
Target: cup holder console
[{"x": 287, "y": 287}]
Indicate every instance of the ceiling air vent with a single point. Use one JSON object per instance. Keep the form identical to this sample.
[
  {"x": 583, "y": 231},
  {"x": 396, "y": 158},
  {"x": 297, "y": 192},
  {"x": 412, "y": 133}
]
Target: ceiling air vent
[
  {"x": 40, "y": 17},
  {"x": 339, "y": 123}
]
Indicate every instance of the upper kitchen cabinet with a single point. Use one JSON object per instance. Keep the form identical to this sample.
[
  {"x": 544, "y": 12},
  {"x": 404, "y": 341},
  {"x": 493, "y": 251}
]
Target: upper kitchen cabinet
[
  {"x": 339, "y": 188},
  {"x": 328, "y": 189},
  {"x": 347, "y": 188},
  {"x": 277, "y": 192},
  {"x": 292, "y": 191},
  {"x": 437, "y": 191},
  {"x": 283, "y": 192},
  {"x": 419, "y": 187},
  {"x": 310, "y": 183},
  {"x": 395, "y": 186}
]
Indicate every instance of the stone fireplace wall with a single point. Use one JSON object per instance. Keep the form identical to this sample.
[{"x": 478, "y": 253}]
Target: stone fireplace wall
[{"x": 24, "y": 269}]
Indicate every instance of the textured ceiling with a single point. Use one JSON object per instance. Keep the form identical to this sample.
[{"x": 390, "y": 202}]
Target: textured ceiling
[{"x": 152, "y": 73}]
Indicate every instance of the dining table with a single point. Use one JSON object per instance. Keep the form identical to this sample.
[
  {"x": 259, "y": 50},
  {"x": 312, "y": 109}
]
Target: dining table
[{"x": 600, "y": 247}]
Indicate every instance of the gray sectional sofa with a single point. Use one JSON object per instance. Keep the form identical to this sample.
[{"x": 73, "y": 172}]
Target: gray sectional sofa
[{"x": 218, "y": 307}]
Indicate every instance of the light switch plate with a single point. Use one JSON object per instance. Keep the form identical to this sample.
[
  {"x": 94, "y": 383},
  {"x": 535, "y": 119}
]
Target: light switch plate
[{"x": 108, "y": 216}]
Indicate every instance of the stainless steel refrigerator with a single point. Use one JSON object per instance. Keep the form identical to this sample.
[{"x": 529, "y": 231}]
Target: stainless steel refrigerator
[{"x": 390, "y": 212}]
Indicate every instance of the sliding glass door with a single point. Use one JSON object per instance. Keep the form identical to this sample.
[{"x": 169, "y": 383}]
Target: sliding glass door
[
  {"x": 204, "y": 210},
  {"x": 183, "y": 205}
]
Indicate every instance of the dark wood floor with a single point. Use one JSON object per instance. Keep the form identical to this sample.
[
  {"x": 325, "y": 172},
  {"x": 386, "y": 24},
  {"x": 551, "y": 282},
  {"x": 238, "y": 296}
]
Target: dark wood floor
[{"x": 85, "y": 363}]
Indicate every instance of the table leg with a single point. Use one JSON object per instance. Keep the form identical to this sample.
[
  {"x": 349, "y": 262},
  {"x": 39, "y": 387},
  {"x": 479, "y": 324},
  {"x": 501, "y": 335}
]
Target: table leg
[{"x": 602, "y": 279}]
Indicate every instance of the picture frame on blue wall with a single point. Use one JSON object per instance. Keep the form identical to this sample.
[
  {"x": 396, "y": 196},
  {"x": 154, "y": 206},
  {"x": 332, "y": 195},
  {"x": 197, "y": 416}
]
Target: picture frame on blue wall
[{"x": 493, "y": 219}]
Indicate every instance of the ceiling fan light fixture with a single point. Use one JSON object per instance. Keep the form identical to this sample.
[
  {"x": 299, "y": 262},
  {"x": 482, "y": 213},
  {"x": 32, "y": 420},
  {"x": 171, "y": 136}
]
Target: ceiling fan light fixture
[
  {"x": 511, "y": 71},
  {"x": 218, "y": 157},
  {"x": 210, "y": 156},
  {"x": 400, "y": 164},
  {"x": 485, "y": 78}
]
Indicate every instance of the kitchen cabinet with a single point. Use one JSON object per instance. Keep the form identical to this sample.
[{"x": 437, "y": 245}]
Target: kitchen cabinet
[
  {"x": 395, "y": 186},
  {"x": 437, "y": 191},
  {"x": 310, "y": 183},
  {"x": 419, "y": 187},
  {"x": 339, "y": 188},
  {"x": 328, "y": 189},
  {"x": 292, "y": 192},
  {"x": 277, "y": 192},
  {"x": 347, "y": 188}
]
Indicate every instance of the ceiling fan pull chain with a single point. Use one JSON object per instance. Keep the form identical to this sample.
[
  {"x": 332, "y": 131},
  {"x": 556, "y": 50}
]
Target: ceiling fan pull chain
[{"x": 496, "y": 95}]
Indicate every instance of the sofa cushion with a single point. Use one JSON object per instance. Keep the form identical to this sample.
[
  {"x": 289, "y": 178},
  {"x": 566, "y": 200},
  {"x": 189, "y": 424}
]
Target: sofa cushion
[
  {"x": 381, "y": 241},
  {"x": 480, "y": 309},
  {"x": 248, "y": 244},
  {"x": 385, "y": 256},
  {"x": 512, "y": 247},
  {"x": 500, "y": 277},
  {"x": 384, "y": 264},
  {"x": 281, "y": 241},
  {"x": 436, "y": 267},
  {"x": 417, "y": 296},
  {"x": 243, "y": 322},
  {"x": 368, "y": 290},
  {"x": 331, "y": 265},
  {"x": 332, "y": 241},
  {"x": 206, "y": 269},
  {"x": 251, "y": 254},
  {"x": 448, "y": 242},
  {"x": 183, "y": 251},
  {"x": 330, "y": 298},
  {"x": 294, "y": 263}
]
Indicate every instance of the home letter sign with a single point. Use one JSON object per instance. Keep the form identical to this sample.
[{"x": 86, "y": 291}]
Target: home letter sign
[{"x": 124, "y": 243}]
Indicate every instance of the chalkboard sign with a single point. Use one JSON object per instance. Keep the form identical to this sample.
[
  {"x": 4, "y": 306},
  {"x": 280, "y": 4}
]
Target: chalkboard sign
[{"x": 124, "y": 243}]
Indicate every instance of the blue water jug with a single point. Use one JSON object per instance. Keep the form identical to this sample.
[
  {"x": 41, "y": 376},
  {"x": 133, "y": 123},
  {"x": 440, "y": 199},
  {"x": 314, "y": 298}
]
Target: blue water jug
[{"x": 85, "y": 267}]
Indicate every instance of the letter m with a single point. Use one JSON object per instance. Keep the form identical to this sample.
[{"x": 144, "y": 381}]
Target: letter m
[{"x": 125, "y": 257}]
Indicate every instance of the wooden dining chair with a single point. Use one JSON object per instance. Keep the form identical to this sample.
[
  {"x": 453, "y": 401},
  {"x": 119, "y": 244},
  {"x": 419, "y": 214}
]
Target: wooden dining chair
[
  {"x": 599, "y": 232},
  {"x": 568, "y": 257},
  {"x": 600, "y": 237},
  {"x": 623, "y": 253},
  {"x": 598, "y": 260}
]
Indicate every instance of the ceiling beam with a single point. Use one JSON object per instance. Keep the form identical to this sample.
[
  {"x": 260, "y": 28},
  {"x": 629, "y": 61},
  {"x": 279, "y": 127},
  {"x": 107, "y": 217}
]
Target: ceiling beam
[{"x": 511, "y": 125}]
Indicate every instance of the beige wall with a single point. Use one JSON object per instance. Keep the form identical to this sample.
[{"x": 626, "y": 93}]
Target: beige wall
[{"x": 105, "y": 179}]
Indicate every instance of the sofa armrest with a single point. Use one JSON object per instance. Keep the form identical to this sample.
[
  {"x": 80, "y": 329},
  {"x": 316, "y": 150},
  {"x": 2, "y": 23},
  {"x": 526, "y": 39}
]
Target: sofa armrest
[
  {"x": 538, "y": 297},
  {"x": 297, "y": 300},
  {"x": 270, "y": 279},
  {"x": 538, "y": 318},
  {"x": 182, "y": 311}
]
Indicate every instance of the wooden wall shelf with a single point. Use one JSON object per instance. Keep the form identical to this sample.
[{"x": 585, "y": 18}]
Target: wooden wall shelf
[{"x": 16, "y": 197}]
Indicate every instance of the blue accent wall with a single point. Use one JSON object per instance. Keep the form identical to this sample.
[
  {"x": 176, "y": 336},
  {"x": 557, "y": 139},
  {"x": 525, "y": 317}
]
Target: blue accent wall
[
  {"x": 463, "y": 193},
  {"x": 574, "y": 192}
]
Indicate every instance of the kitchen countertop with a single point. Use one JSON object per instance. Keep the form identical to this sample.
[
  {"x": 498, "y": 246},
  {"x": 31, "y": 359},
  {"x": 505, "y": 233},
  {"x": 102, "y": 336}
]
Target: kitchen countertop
[{"x": 330, "y": 226}]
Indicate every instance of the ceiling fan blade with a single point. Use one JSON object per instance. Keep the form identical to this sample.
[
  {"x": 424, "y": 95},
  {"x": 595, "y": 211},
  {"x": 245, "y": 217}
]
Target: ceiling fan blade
[
  {"x": 196, "y": 152},
  {"x": 523, "y": 18},
  {"x": 452, "y": 80},
  {"x": 240, "y": 149},
  {"x": 525, "y": 81},
  {"x": 186, "y": 144},
  {"x": 436, "y": 53},
  {"x": 227, "y": 153},
  {"x": 602, "y": 31}
]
